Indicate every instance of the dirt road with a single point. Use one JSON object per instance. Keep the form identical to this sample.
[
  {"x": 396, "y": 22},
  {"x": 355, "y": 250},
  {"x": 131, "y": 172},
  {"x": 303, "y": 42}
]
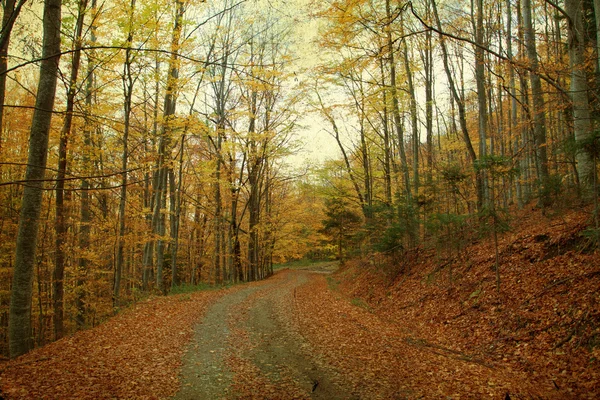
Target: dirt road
[
  {"x": 294, "y": 336},
  {"x": 248, "y": 346}
]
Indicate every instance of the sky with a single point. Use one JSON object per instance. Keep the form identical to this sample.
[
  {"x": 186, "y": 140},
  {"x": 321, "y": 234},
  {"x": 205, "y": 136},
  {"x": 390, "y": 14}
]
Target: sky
[{"x": 318, "y": 146}]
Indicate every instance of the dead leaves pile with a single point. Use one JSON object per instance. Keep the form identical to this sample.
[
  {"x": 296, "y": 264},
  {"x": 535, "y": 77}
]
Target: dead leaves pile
[
  {"x": 381, "y": 360},
  {"x": 544, "y": 323},
  {"x": 135, "y": 355}
]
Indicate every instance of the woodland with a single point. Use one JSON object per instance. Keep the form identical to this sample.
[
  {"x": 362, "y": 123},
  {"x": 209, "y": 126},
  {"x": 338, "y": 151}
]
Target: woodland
[{"x": 151, "y": 147}]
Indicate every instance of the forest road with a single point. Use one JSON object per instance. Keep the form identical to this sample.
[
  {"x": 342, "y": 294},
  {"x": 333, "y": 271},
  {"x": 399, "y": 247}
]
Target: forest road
[{"x": 248, "y": 346}]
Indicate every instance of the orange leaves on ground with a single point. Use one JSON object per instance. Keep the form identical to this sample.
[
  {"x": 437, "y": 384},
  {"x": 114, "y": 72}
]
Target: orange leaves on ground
[
  {"x": 543, "y": 325},
  {"x": 135, "y": 355},
  {"x": 381, "y": 361}
]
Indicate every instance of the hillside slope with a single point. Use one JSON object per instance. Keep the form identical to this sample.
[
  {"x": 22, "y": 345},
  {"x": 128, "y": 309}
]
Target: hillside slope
[{"x": 544, "y": 321}]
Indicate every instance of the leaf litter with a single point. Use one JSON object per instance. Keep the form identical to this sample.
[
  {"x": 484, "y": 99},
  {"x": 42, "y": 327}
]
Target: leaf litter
[
  {"x": 424, "y": 333},
  {"x": 134, "y": 355}
]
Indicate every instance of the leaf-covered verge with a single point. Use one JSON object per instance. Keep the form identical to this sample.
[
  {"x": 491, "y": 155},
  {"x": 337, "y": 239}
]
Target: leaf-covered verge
[
  {"x": 544, "y": 324},
  {"x": 135, "y": 355}
]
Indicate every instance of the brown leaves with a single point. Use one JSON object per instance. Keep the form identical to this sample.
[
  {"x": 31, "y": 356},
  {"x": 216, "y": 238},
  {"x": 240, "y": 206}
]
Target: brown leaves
[
  {"x": 135, "y": 355},
  {"x": 422, "y": 334},
  {"x": 543, "y": 325}
]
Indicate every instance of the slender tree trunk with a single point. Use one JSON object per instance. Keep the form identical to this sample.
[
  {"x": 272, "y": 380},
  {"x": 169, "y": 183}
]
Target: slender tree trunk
[
  {"x": 128, "y": 83},
  {"x": 158, "y": 220},
  {"x": 460, "y": 104},
  {"x": 414, "y": 117},
  {"x": 218, "y": 223},
  {"x": 597, "y": 15},
  {"x": 19, "y": 328},
  {"x": 386, "y": 138},
  {"x": 11, "y": 10},
  {"x": 85, "y": 210},
  {"x": 512, "y": 116},
  {"x": 84, "y": 239},
  {"x": 395, "y": 102},
  {"x": 165, "y": 141},
  {"x": 177, "y": 219},
  {"x": 366, "y": 165},
  {"x": 429, "y": 79},
  {"x": 481, "y": 101},
  {"x": 254, "y": 164},
  {"x": 539, "y": 113},
  {"x": 60, "y": 219},
  {"x": 336, "y": 135},
  {"x": 151, "y": 195}
]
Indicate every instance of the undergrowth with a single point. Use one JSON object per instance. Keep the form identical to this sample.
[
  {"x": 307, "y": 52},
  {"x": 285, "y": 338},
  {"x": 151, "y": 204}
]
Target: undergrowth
[{"x": 202, "y": 286}]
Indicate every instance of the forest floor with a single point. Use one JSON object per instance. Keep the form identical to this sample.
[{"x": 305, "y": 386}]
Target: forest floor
[
  {"x": 367, "y": 331},
  {"x": 542, "y": 325}
]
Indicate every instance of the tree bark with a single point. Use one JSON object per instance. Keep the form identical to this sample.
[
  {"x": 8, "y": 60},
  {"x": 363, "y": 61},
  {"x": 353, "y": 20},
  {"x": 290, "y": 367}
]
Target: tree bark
[
  {"x": 11, "y": 10},
  {"x": 460, "y": 104},
  {"x": 388, "y": 156},
  {"x": 539, "y": 114},
  {"x": 165, "y": 141},
  {"x": 128, "y": 83},
  {"x": 395, "y": 103},
  {"x": 481, "y": 100},
  {"x": 414, "y": 116},
  {"x": 60, "y": 219},
  {"x": 176, "y": 199},
  {"x": 254, "y": 164},
  {"x": 20, "y": 340},
  {"x": 579, "y": 91},
  {"x": 429, "y": 81},
  {"x": 512, "y": 115}
]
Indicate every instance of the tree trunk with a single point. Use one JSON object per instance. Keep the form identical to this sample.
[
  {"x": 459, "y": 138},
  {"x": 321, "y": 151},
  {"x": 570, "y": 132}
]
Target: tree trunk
[
  {"x": 539, "y": 113},
  {"x": 429, "y": 80},
  {"x": 11, "y": 11},
  {"x": 60, "y": 219},
  {"x": 336, "y": 135},
  {"x": 512, "y": 116},
  {"x": 579, "y": 91},
  {"x": 20, "y": 340},
  {"x": 597, "y": 15},
  {"x": 128, "y": 83},
  {"x": 164, "y": 146},
  {"x": 254, "y": 163},
  {"x": 460, "y": 104},
  {"x": 388, "y": 157},
  {"x": 395, "y": 102},
  {"x": 176, "y": 219},
  {"x": 218, "y": 223},
  {"x": 481, "y": 101},
  {"x": 414, "y": 116}
]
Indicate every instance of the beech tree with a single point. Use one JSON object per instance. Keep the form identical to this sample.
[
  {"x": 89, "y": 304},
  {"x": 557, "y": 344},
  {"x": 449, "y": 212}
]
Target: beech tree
[
  {"x": 582, "y": 123},
  {"x": 128, "y": 85},
  {"x": 65, "y": 137},
  {"x": 539, "y": 116},
  {"x": 20, "y": 339}
]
